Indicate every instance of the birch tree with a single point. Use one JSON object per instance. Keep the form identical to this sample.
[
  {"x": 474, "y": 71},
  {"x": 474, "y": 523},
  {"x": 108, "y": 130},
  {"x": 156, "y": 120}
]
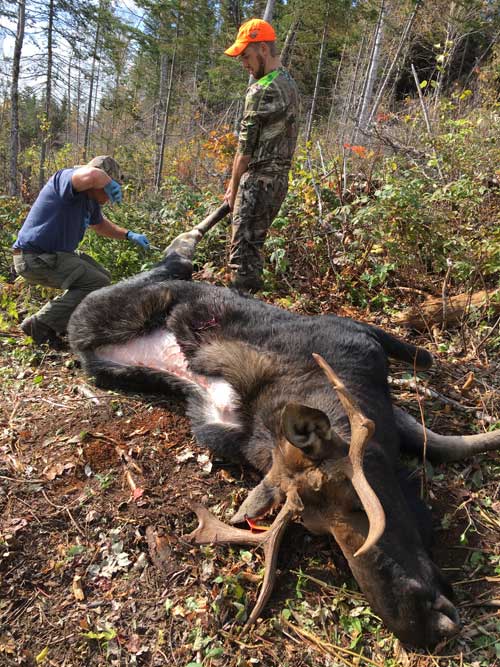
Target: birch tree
[
  {"x": 45, "y": 121},
  {"x": 161, "y": 152},
  {"x": 88, "y": 117},
  {"x": 373, "y": 68},
  {"x": 14, "y": 99},
  {"x": 318, "y": 75}
]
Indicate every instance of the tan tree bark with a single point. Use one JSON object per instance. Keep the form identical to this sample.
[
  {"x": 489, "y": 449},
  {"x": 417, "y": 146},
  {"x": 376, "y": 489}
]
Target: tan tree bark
[
  {"x": 48, "y": 96},
  {"x": 14, "y": 100},
  {"x": 431, "y": 312}
]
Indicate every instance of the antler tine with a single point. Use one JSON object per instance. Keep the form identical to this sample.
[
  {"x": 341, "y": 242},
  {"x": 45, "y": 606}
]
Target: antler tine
[
  {"x": 272, "y": 541},
  {"x": 362, "y": 430},
  {"x": 211, "y": 530}
]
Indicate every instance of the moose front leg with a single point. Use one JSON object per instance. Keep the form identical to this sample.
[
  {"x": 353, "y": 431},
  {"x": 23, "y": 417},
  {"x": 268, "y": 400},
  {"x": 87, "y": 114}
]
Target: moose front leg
[{"x": 213, "y": 531}]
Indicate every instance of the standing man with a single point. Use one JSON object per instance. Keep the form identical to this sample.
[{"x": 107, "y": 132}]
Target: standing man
[
  {"x": 45, "y": 249},
  {"x": 266, "y": 142}
]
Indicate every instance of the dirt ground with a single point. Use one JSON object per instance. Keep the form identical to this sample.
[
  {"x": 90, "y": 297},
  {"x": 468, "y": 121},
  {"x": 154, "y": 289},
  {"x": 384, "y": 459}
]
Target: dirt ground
[{"x": 95, "y": 493}]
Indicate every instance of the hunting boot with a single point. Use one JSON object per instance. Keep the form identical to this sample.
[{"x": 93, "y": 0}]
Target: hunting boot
[
  {"x": 41, "y": 333},
  {"x": 247, "y": 283}
]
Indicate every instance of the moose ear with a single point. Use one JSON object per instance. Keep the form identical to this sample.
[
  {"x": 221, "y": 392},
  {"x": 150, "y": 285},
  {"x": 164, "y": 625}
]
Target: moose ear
[
  {"x": 259, "y": 501},
  {"x": 308, "y": 429}
]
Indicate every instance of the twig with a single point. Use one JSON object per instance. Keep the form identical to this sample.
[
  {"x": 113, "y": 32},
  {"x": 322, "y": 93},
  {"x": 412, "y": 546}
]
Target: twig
[
  {"x": 486, "y": 603},
  {"x": 427, "y": 121},
  {"x": 327, "y": 646},
  {"x": 431, "y": 393},
  {"x": 23, "y": 481},
  {"x": 424, "y": 489},
  {"x": 29, "y": 508},
  {"x": 127, "y": 460},
  {"x": 444, "y": 292},
  {"x": 82, "y": 533},
  {"x": 87, "y": 393},
  {"x": 488, "y": 335},
  {"x": 46, "y": 400}
]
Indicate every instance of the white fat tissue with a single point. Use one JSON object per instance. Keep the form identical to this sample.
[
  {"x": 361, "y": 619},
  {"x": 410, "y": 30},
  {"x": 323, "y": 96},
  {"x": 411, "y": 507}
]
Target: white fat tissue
[
  {"x": 221, "y": 402},
  {"x": 160, "y": 351}
]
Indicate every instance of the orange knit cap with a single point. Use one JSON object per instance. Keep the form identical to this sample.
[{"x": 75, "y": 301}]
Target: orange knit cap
[{"x": 254, "y": 30}]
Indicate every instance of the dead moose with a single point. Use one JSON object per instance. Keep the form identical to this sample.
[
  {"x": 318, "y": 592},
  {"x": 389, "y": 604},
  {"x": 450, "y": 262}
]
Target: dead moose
[{"x": 303, "y": 399}]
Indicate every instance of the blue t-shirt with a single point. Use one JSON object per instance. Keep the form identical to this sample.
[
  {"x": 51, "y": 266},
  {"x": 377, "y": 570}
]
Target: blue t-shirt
[{"x": 59, "y": 217}]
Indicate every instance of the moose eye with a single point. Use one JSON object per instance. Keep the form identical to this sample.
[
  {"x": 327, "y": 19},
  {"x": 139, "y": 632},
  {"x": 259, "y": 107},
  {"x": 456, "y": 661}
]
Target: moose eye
[{"x": 309, "y": 451}]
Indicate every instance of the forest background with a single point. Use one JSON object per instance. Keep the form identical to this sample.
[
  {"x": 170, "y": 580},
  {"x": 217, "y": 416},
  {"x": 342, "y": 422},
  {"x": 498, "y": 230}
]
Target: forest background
[
  {"x": 394, "y": 200},
  {"x": 396, "y": 173}
]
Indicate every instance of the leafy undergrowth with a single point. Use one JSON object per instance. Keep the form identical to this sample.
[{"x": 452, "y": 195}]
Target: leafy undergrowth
[{"x": 96, "y": 487}]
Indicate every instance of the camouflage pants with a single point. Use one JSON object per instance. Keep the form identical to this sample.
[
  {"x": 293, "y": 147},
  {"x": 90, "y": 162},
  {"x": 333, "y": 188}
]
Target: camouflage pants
[{"x": 257, "y": 203}]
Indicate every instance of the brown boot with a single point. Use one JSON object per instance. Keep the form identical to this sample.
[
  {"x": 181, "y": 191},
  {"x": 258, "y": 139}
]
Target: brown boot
[
  {"x": 42, "y": 333},
  {"x": 245, "y": 283}
]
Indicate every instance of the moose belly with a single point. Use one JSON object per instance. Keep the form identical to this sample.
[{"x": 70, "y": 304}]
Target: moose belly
[{"x": 159, "y": 351}]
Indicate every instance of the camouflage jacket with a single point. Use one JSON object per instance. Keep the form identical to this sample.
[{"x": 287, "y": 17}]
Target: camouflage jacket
[{"x": 269, "y": 127}]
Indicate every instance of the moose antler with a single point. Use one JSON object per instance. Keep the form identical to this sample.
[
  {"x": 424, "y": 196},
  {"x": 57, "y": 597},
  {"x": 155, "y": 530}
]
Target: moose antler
[
  {"x": 212, "y": 531},
  {"x": 362, "y": 430}
]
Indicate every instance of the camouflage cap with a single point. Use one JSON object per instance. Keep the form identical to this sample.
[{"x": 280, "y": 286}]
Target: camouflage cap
[{"x": 108, "y": 164}]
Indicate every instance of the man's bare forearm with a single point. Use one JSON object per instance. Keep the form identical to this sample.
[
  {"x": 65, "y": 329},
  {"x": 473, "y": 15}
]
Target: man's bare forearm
[
  {"x": 109, "y": 229},
  {"x": 240, "y": 166},
  {"x": 86, "y": 178}
]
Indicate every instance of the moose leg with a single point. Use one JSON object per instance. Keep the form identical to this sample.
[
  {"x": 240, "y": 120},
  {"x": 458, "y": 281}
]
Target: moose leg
[
  {"x": 178, "y": 257},
  {"x": 441, "y": 448}
]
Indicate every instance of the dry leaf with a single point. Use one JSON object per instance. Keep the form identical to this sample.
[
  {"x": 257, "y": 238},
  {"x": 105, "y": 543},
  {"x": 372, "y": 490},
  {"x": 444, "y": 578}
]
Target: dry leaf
[
  {"x": 137, "y": 493},
  {"x": 184, "y": 456},
  {"x": 77, "y": 588}
]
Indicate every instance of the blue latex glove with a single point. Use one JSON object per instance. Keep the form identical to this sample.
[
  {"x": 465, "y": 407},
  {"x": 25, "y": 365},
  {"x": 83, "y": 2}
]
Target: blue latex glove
[
  {"x": 139, "y": 239},
  {"x": 114, "y": 192}
]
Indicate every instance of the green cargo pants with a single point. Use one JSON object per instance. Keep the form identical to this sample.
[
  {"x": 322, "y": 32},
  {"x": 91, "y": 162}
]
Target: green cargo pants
[
  {"x": 257, "y": 203},
  {"x": 75, "y": 273}
]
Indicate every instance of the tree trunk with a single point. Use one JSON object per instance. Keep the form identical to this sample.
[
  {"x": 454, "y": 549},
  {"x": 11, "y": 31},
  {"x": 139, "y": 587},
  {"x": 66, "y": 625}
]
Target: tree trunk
[
  {"x": 166, "y": 118},
  {"x": 286, "y": 52},
  {"x": 431, "y": 312},
  {"x": 345, "y": 113},
  {"x": 68, "y": 115},
  {"x": 96, "y": 98},
  {"x": 269, "y": 11},
  {"x": 318, "y": 76},
  {"x": 78, "y": 102},
  {"x": 372, "y": 71},
  {"x": 348, "y": 99},
  {"x": 402, "y": 43},
  {"x": 447, "y": 56},
  {"x": 333, "y": 94},
  {"x": 14, "y": 99},
  {"x": 48, "y": 97},
  {"x": 88, "y": 119},
  {"x": 160, "y": 106}
]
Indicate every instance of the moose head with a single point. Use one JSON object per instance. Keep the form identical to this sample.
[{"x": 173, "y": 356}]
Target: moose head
[{"x": 320, "y": 478}]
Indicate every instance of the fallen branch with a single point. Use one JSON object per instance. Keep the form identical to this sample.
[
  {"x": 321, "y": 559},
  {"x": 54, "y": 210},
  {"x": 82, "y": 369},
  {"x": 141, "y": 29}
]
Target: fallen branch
[
  {"x": 429, "y": 313},
  {"x": 432, "y": 393}
]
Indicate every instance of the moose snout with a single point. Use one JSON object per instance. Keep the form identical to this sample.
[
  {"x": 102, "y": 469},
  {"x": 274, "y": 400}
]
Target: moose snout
[
  {"x": 433, "y": 618},
  {"x": 444, "y": 618}
]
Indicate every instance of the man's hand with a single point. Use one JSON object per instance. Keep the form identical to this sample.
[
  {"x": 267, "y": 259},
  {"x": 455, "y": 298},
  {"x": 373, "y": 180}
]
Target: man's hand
[
  {"x": 114, "y": 192},
  {"x": 138, "y": 239},
  {"x": 240, "y": 166},
  {"x": 229, "y": 198}
]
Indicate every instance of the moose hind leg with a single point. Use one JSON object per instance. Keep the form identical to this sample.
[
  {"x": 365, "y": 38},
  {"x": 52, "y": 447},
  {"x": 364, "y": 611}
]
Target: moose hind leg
[{"x": 116, "y": 314}]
